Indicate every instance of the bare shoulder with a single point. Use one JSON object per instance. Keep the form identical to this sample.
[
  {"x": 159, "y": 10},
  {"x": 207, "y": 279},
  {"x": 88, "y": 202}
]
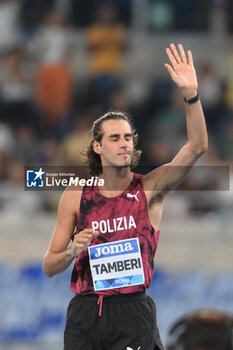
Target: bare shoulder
[{"x": 71, "y": 198}]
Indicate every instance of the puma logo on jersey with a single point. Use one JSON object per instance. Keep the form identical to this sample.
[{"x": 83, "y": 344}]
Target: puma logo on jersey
[{"x": 130, "y": 195}]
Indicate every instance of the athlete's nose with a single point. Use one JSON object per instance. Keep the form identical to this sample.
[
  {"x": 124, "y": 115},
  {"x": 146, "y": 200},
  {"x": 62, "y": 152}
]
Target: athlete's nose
[{"x": 123, "y": 143}]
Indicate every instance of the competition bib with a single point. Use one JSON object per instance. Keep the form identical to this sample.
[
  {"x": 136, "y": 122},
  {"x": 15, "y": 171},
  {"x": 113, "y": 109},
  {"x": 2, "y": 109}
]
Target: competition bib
[{"x": 116, "y": 264}]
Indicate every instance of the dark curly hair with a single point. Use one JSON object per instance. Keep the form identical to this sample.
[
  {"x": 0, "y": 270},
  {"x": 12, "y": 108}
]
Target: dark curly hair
[{"x": 93, "y": 160}]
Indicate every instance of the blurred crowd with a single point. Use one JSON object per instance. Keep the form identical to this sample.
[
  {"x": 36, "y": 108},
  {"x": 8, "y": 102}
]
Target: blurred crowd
[{"x": 46, "y": 111}]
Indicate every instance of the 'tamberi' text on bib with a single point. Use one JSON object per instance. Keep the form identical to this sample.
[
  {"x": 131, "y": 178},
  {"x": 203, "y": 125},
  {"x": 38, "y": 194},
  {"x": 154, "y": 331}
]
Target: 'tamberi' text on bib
[{"x": 116, "y": 264}]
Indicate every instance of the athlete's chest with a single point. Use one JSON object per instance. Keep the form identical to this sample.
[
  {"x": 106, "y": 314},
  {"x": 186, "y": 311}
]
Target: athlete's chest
[{"x": 117, "y": 215}]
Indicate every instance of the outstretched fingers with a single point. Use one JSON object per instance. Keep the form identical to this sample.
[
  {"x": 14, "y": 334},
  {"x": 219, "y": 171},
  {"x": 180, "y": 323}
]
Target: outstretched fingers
[
  {"x": 190, "y": 58},
  {"x": 171, "y": 57},
  {"x": 182, "y": 53},
  {"x": 170, "y": 70},
  {"x": 176, "y": 57},
  {"x": 175, "y": 53}
]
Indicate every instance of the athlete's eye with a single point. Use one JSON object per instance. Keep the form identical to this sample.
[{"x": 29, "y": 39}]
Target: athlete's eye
[{"x": 128, "y": 137}]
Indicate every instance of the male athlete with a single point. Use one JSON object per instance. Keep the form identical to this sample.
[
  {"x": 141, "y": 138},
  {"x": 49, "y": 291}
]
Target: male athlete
[{"x": 117, "y": 228}]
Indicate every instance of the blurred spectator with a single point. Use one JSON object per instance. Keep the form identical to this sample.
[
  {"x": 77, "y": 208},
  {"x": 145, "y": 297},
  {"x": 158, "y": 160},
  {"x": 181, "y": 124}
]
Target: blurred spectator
[
  {"x": 81, "y": 16},
  {"x": 106, "y": 41},
  {"x": 16, "y": 88},
  {"x": 52, "y": 47},
  {"x": 9, "y": 21},
  {"x": 79, "y": 139}
]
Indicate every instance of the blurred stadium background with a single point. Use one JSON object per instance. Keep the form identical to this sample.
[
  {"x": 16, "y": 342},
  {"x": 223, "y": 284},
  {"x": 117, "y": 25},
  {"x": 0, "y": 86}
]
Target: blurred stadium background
[{"x": 62, "y": 64}]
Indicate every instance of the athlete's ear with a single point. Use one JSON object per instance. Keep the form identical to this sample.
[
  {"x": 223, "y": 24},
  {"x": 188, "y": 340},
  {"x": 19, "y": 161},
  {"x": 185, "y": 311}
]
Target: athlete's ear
[{"x": 96, "y": 146}]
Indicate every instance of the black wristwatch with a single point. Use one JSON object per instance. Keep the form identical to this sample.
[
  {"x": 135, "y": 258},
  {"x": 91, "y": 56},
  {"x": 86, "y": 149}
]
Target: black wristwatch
[{"x": 192, "y": 100}]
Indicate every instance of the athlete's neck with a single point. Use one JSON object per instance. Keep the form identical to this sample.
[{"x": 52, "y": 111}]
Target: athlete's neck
[{"x": 116, "y": 180}]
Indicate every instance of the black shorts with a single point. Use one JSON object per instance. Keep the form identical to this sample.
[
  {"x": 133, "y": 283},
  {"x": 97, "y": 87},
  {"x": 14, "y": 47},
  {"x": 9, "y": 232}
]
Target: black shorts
[{"x": 127, "y": 322}]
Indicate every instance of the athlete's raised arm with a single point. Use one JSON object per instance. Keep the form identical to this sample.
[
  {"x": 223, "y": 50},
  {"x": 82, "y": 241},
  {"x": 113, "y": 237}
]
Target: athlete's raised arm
[
  {"x": 169, "y": 176},
  {"x": 58, "y": 256}
]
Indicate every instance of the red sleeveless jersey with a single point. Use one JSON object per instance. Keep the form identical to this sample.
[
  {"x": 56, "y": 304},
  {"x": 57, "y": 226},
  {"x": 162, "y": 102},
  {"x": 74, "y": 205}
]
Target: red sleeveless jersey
[{"x": 121, "y": 217}]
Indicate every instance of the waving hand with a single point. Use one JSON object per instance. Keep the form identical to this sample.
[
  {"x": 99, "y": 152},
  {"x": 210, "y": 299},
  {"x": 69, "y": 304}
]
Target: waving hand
[{"x": 181, "y": 69}]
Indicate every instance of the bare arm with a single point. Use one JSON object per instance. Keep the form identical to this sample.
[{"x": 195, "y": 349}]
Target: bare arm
[
  {"x": 169, "y": 176},
  {"x": 58, "y": 257}
]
